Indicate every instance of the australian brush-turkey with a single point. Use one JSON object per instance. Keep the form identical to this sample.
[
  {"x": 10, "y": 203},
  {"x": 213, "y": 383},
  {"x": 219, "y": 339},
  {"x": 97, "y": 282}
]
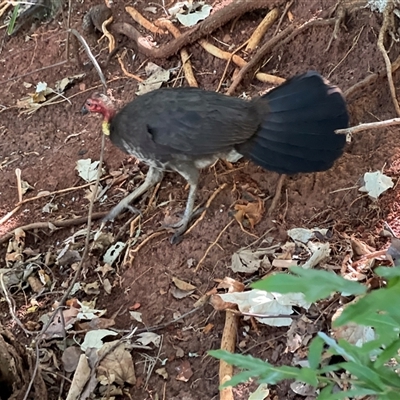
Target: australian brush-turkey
[{"x": 290, "y": 129}]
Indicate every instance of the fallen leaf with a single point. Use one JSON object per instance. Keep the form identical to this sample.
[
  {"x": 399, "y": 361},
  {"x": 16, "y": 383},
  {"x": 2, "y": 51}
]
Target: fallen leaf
[
  {"x": 119, "y": 361},
  {"x": 185, "y": 371},
  {"x": 253, "y": 212}
]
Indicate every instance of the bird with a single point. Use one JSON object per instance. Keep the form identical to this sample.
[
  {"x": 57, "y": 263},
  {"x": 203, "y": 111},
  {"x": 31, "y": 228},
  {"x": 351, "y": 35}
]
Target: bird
[{"x": 289, "y": 130}]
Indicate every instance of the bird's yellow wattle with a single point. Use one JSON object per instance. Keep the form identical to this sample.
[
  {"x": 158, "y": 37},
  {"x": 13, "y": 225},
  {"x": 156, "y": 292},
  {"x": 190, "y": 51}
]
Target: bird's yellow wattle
[{"x": 105, "y": 126}]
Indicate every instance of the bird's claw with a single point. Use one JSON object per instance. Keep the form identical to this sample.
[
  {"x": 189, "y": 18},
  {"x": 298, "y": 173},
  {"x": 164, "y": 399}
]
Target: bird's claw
[{"x": 118, "y": 209}]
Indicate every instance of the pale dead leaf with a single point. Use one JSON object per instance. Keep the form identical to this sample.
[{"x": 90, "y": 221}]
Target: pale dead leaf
[
  {"x": 162, "y": 372},
  {"x": 119, "y": 361},
  {"x": 81, "y": 376},
  {"x": 182, "y": 285}
]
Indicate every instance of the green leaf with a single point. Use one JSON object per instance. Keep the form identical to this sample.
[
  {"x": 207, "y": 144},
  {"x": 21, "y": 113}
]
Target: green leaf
[
  {"x": 262, "y": 370},
  {"x": 326, "y": 393},
  {"x": 14, "y": 16},
  {"x": 315, "y": 352},
  {"x": 388, "y": 272},
  {"x": 301, "y": 281},
  {"x": 335, "y": 346},
  {"x": 308, "y": 375},
  {"x": 365, "y": 374},
  {"x": 387, "y": 354}
]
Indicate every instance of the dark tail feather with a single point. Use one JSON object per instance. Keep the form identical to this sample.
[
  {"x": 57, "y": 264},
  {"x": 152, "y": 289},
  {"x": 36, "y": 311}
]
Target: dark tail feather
[{"x": 297, "y": 134}]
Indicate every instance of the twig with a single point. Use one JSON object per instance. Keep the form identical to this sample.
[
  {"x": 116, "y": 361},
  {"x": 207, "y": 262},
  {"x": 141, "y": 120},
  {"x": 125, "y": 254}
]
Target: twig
[
  {"x": 385, "y": 25},
  {"x": 77, "y": 271},
  {"x": 91, "y": 56},
  {"x": 67, "y": 44},
  {"x": 355, "y": 41},
  {"x": 371, "y": 125},
  {"x": 228, "y": 342},
  {"x": 285, "y": 11},
  {"x": 224, "y": 55},
  {"x": 70, "y": 189},
  {"x": 50, "y": 224},
  {"x": 277, "y": 41},
  {"x": 262, "y": 28},
  {"x": 213, "y": 244},
  {"x": 369, "y": 80},
  {"x": 11, "y": 306},
  {"x": 33, "y": 72},
  {"x": 257, "y": 58},
  {"x": 135, "y": 14},
  {"x": 124, "y": 70},
  {"x": 277, "y": 195},
  {"x": 186, "y": 65}
]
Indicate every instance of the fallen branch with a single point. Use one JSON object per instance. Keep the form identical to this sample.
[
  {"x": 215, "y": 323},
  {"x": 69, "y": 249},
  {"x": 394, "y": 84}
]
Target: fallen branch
[{"x": 233, "y": 10}]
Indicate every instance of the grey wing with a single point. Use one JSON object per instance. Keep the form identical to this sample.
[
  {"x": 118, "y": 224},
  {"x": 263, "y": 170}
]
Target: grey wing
[{"x": 200, "y": 123}]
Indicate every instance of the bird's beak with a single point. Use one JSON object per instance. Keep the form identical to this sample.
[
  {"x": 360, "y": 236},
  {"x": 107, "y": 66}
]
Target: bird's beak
[{"x": 84, "y": 110}]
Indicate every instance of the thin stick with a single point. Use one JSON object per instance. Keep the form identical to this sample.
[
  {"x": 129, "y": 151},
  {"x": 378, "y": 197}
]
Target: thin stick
[
  {"x": 385, "y": 25},
  {"x": 124, "y": 70},
  {"x": 224, "y": 55},
  {"x": 355, "y": 41},
  {"x": 70, "y": 189},
  {"x": 67, "y": 44},
  {"x": 287, "y": 6},
  {"x": 186, "y": 65},
  {"x": 277, "y": 196},
  {"x": 371, "y": 125},
  {"x": 369, "y": 80},
  {"x": 213, "y": 244},
  {"x": 50, "y": 224},
  {"x": 258, "y": 57},
  {"x": 135, "y": 14}
]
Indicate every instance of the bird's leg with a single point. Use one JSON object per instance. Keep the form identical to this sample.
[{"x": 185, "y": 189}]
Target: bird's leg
[
  {"x": 191, "y": 174},
  {"x": 153, "y": 176}
]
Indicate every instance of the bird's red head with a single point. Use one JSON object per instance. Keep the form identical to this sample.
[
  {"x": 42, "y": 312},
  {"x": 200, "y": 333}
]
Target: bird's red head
[{"x": 100, "y": 104}]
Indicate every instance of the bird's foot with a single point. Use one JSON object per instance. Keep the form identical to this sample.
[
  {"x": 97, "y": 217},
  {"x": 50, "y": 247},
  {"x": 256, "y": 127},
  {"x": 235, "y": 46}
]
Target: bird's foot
[
  {"x": 181, "y": 226},
  {"x": 177, "y": 237},
  {"x": 118, "y": 209}
]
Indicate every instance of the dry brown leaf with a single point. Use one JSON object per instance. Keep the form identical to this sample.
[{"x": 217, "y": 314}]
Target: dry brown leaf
[
  {"x": 253, "y": 212},
  {"x": 185, "y": 371}
]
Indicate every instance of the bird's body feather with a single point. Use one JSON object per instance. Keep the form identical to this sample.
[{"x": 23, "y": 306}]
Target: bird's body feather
[{"x": 289, "y": 130}]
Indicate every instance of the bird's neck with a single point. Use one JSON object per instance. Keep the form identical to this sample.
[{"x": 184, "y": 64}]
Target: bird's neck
[{"x": 105, "y": 126}]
